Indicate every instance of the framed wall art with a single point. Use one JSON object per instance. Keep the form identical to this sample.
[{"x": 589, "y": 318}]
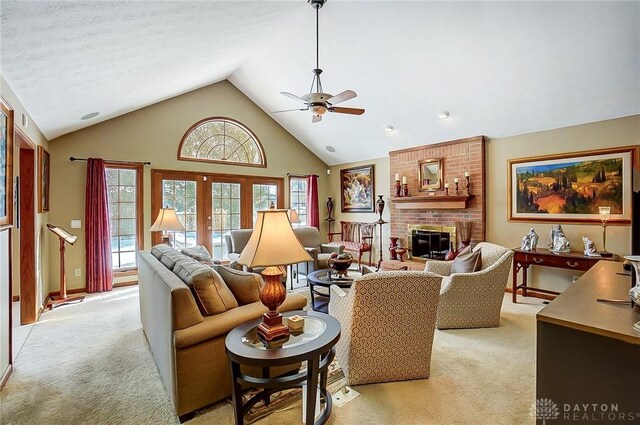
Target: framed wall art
[
  {"x": 44, "y": 172},
  {"x": 570, "y": 188},
  {"x": 357, "y": 189},
  {"x": 6, "y": 164}
]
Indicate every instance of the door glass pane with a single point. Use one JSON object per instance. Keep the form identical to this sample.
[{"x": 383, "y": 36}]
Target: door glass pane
[
  {"x": 264, "y": 195},
  {"x": 225, "y": 215},
  {"x": 298, "y": 197},
  {"x": 181, "y": 195},
  {"x": 121, "y": 193}
]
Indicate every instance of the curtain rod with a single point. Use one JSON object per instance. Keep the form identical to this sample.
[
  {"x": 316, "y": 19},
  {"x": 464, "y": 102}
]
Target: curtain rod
[
  {"x": 301, "y": 175},
  {"x": 71, "y": 158}
]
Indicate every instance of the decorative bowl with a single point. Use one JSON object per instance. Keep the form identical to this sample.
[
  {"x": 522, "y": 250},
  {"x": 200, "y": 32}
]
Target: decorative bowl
[{"x": 340, "y": 266}]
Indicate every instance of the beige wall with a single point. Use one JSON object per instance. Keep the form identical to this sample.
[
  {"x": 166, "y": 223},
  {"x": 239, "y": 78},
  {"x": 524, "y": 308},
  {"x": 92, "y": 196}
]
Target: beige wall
[
  {"x": 381, "y": 187},
  {"x": 603, "y": 134},
  {"x": 598, "y": 135},
  {"x": 42, "y": 255},
  {"x": 152, "y": 134}
]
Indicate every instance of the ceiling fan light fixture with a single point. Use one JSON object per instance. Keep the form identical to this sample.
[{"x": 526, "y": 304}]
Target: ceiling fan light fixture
[{"x": 319, "y": 110}]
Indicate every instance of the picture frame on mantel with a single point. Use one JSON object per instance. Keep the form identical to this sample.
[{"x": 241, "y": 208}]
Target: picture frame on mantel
[
  {"x": 6, "y": 164},
  {"x": 570, "y": 187},
  {"x": 357, "y": 189},
  {"x": 44, "y": 177}
]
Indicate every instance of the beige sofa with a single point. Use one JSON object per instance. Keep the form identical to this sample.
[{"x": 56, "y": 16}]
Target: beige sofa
[{"x": 189, "y": 347}]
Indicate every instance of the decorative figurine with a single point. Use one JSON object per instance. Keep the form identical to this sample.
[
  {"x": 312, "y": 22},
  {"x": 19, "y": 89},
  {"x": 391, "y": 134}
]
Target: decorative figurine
[
  {"x": 534, "y": 239},
  {"x": 529, "y": 241},
  {"x": 559, "y": 242},
  {"x": 589, "y": 247}
]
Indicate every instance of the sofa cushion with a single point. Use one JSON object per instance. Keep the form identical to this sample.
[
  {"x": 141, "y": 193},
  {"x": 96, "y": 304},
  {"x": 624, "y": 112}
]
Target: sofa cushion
[
  {"x": 198, "y": 252},
  {"x": 208, "y": 286},
  {"x": 159, "y": 250},
  {"x": 245, "y": 286},
  {"x": 467, "y": 263},
  {"x": 171, "y": 257}
]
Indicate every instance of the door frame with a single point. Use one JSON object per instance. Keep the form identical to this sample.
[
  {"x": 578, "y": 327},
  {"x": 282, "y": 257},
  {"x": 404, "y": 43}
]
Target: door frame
[{"x": 27, "y": 168}]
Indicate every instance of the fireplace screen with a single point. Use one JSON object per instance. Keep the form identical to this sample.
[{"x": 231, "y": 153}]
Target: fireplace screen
[{"x": 430, "y": 244}]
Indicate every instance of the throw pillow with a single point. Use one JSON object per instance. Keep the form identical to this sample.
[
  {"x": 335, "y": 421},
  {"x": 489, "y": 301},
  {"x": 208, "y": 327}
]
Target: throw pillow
[
  {"x": 208, "y": 286},
  {"x": 245, "y": 286},
  {"x": 467, "y": 263},
  {"x": 199, "y": 253}
]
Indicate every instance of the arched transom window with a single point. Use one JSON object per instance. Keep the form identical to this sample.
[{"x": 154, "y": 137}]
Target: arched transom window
[{"x": 221, "y": 140}]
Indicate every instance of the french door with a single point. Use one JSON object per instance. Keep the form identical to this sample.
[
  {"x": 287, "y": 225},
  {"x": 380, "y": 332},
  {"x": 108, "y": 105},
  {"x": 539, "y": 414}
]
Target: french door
[{"x": 210, "y": 206}]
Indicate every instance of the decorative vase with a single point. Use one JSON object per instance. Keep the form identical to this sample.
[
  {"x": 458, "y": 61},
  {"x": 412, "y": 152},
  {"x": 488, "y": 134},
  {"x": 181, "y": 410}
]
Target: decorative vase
[
  {"x": 380, "y": 206},
  {"x": 392, "y": 248},
  {"x": 400, "y": 252},
  {"x": 451, "y": 254},
  {"x": 340, "y": 266},
  {"x": 329, "y": 209}
]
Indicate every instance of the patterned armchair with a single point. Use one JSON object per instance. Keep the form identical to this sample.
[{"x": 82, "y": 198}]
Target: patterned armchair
[
  {"x": 388, "y": 322},
  {"x": 356, "y": 237},
  {"x": 473, "y": 300}
]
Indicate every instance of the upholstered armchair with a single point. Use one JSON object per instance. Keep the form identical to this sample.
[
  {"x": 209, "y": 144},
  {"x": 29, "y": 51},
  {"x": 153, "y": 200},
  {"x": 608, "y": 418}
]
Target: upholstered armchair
[
  {"x": 388, "y": 322},
  {"x": 473, "y": 300},
  {"x": 309, "y": 237}
]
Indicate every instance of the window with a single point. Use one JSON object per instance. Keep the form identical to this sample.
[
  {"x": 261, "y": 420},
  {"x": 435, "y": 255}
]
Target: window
[
  {"x": 212, "y": 205},
  {"x": 264, "y": 195},
  {"x": 181, "y": 196},
  {"x": 298, "y": 198},
  {"x": 225, "y": 209},
  {"x": 124, "y": 183},
  {"x": 221, "y": 140}
]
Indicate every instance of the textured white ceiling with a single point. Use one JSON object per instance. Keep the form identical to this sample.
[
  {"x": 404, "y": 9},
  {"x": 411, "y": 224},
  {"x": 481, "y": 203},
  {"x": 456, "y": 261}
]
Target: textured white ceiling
[{"x": 500, "y": 68}]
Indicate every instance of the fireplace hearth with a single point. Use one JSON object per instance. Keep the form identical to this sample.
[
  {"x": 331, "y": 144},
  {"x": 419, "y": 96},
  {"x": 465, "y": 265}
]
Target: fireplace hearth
[{"x": 430, "y": 242}]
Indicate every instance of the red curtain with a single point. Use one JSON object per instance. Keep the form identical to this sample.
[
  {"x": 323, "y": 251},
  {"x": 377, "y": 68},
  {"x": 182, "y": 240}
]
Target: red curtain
[
  {"x": 313, "y": 209},
  {"x": 97, "y": 232}
]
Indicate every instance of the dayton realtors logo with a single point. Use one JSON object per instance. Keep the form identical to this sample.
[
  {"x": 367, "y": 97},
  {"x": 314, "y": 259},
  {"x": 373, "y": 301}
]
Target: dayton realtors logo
[{"x": 546, "y": 409}]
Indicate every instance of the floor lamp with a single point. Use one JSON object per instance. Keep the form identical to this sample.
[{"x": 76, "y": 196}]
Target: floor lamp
[
  {"x": 65, "y": 237},
  {"x": 380, "y": 222}
]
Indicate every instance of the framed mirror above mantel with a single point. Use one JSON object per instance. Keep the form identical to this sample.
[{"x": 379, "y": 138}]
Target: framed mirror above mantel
[{"x": 430, "y": 174}]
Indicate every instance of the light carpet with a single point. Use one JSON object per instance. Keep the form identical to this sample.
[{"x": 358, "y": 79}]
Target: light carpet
[{"x": 90, "y": 363}]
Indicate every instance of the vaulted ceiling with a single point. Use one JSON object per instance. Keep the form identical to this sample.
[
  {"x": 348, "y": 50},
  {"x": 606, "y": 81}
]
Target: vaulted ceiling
[{"x": 500, "y": 68}]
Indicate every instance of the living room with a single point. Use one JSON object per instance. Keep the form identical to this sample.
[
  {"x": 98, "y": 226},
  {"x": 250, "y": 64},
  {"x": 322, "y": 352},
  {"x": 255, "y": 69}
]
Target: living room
[{"x": 529, "y": 80}]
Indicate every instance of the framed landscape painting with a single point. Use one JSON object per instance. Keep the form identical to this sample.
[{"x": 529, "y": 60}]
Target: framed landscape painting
[
  {"x": 357, "y": 189},
  {"x": 44, "y": 172},
  {"x": 6, "y": 164},
  {"x": 569, "y": 188}
]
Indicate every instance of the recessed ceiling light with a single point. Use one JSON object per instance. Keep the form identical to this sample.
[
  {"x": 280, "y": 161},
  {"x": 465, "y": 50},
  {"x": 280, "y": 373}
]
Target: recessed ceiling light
[
  {"x": 443, "y": 115},
  {"x": 89, "y": 116},
  {"x": 330, "y": 148},
  {"x": 388, "y": 128}
]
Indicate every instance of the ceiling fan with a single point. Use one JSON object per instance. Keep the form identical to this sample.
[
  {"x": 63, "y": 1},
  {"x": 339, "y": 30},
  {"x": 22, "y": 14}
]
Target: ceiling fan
[{"x": 318, "y": 102}]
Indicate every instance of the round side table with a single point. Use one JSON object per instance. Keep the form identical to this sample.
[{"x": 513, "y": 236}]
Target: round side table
[
  {"x": 314, "y": 344},
  {"x": 324, "y": 278}
]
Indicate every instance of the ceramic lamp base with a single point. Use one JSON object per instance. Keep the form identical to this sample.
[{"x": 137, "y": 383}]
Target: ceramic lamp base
[{"x": 272, "y": 295}]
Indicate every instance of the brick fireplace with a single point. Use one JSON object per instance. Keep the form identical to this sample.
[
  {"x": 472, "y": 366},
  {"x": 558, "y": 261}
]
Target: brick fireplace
[{"x": 424, "y": 209}]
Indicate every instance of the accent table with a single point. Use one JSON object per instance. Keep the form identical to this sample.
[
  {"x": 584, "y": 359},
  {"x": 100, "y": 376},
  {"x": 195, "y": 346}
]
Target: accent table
[
  {"x": 314, "y": 345},
  {"x": 573, "y": 260}
]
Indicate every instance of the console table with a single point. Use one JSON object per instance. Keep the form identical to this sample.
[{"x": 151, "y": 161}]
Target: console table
[
  {"x": 587, "y": 351},
  {"x": 573, "y": 260}
]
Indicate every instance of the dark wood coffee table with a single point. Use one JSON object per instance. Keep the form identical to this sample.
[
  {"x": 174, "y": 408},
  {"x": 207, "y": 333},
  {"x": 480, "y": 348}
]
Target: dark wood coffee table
[
  {"x": 325, "y": 278},
  {"x": 314, "y": 345}
]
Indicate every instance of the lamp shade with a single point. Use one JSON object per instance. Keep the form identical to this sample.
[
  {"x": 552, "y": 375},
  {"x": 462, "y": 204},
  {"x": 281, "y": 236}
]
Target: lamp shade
[
  {"x": 273, "y": 242},
  {"x": 167, "y": 220},
  {"x": 293, "y": 216}
]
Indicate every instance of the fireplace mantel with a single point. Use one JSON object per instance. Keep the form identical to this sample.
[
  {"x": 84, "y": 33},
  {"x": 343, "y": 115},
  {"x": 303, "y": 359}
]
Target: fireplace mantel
[{"x": 438, "y": 202}]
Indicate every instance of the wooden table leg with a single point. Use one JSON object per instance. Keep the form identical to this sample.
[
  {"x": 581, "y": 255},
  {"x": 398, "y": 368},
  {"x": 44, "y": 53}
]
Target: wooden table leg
[
  {"x": 266, "y": 373},
  {"x": 236, "y": 394},
  {"x": 514, "y": 285},
  {"x": 312, "y": 389},
  {"x": 524, "y": 280}
]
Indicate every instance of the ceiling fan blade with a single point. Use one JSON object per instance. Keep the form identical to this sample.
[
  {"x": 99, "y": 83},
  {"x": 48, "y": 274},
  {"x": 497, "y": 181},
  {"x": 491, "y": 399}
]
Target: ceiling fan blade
[
  {"x": 342, "y": 97},
  {"x": 289, "y": 110},
  {"x": 316, "y": 118},
  {"x": 292, "y": 96},
  {"x": 352, "y": 111}
]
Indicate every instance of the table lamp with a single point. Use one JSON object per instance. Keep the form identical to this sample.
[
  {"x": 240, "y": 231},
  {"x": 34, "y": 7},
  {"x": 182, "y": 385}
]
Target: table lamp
[
  {"x": 167, "y": 221},
  {"x": 273, "y": 245},
  {"x": 605, "y": 213},
  {"x": 293, "y": 216}
]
